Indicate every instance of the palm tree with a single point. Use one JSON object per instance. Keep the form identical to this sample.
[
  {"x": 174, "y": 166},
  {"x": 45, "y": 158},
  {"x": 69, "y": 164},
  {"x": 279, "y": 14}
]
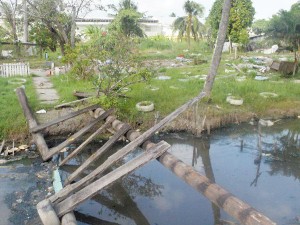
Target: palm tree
[{"x": 189, "y": 25}]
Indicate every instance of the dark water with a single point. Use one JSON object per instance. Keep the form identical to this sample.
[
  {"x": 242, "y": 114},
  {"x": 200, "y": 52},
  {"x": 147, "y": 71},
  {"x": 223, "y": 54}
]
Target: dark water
[{"x": 230, "y": 157}]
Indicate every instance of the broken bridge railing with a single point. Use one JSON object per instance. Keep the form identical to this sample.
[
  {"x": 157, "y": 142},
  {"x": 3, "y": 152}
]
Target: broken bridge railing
[{"x": 61, "y": 204}]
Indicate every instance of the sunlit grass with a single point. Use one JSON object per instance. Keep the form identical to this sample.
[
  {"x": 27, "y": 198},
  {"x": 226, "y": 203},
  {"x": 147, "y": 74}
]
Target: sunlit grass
[{"x": 13, "y": 122}]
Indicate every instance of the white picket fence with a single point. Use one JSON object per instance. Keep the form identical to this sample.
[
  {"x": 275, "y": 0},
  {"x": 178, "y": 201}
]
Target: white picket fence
[{"x": 14, "y": 69}]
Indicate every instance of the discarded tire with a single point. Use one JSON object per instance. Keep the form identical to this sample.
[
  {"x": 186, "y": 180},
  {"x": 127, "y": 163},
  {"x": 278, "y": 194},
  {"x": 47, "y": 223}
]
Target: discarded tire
[
  {"x": 268, "y": 94},
  {"x": 145, "y": 106},
  {"x": 17, "y": 81},
  {"x": 234, "y": 100}
]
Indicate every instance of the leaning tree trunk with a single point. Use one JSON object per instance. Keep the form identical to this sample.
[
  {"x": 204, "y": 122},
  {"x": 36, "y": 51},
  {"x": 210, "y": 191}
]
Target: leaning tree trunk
[{"x": 218, "y": 49}]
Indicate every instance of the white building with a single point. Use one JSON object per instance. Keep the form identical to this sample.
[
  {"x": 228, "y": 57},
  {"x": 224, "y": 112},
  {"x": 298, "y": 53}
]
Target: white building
[{"x": 152, "y": 27}]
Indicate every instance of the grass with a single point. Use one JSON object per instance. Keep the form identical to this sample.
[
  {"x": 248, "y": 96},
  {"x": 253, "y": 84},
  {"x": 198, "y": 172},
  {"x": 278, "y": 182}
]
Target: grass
[
  {"x": 13, "y": 123},
  {"x": 171, "y": 93}
]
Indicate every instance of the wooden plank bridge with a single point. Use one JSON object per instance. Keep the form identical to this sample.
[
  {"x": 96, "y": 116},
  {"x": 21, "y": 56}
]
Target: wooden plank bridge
[{"x": 57, "y": 209}]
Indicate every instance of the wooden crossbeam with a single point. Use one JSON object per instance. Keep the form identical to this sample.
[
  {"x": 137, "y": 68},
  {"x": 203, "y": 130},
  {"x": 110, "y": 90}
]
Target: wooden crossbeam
[
  {"x": 98, "y": 153},
  {"x": 78, "y": 134},
  {"x": 62, "y": 118},
  {"x": 89, "y": 191},
  {"x": 87, "y": 141}
]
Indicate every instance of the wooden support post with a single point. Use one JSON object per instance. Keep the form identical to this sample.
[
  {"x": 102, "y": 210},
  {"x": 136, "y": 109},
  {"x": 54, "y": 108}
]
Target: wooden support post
[
  {"x": 38, "y": 138},
  {"x": 61, "y": 119},
  {"x": 89, "y": 191},
  {"x": 69, "y": 219},
  {"x": 47, "y": 213},
  {"x": 124, "y": 128},
  {"x": 87, "y": 141},
  {"x": 225, "y": 200},
  {"x": 78, "y": 134}
]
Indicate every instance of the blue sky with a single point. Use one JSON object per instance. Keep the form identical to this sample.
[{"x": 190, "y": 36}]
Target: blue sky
[{"x": 161, "y": 8}]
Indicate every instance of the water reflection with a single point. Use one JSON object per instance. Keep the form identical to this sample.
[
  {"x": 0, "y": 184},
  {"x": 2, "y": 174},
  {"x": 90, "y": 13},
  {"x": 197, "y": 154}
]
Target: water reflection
[{"x": 153, "y": 195}]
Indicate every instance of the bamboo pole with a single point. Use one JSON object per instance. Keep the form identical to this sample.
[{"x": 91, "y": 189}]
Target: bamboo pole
[{"x": 232, "y": 205}]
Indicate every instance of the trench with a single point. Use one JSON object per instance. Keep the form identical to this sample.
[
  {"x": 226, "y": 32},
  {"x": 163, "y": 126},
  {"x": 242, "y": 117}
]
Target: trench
[{"x": 229, "y": 157}]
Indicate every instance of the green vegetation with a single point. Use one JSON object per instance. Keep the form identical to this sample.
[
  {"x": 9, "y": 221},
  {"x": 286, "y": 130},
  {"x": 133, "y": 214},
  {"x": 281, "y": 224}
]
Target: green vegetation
[
  {"x": 121, "y": 65},
  {"x": 241, "y": 17},
  {"x": 13, "y": 123},
  {"x": 190, "y": 25}
]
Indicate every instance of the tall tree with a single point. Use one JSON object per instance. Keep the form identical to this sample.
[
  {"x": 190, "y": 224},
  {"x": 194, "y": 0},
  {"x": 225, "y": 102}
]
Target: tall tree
[
  {"x": 9, "y": 11},
  {"x": 241, "y": 17},
  {"x": 189, "y": 25},
  {"x": 59, "y": 17},
  {"x": 260, "y": 26},
  {"x": 285, "y": 26},
  {"x": 127, "y": 19},
  {"x": 219, "y": 47}
]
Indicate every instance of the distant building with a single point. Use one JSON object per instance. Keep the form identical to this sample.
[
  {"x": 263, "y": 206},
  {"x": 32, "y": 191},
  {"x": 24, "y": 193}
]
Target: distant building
[{"x": 152, "y": 27}]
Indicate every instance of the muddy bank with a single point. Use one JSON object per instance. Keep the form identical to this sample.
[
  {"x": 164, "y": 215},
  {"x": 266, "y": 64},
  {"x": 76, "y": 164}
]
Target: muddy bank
[{"x": 196, "y": 121}]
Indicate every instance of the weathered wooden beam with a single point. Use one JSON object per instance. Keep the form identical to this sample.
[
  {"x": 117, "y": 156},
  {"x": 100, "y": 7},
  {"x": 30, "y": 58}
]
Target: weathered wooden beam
[
  {"x": 77, "y": 135},
  {"x": 136, "y": 139},
  {"x": 38, "y": 138},
  {"x": 89, "y": 191},
  {"x": 62, "y": 118},
  {"x": 215, "y": 193},
  {"x": 87, "y": 141},
  {"x": 47, "y": 214},
  {"x": 124, "y": 128},
  {"x": 69, "y": 219},
  {"x": 69, "y": 104}
]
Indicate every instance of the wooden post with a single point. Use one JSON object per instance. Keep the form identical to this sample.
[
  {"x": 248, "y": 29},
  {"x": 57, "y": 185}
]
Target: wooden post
[
  {"x": 37, "y": 137},
  {"x": 47, "y": 213},
  {"x": 69, "y": 219}
]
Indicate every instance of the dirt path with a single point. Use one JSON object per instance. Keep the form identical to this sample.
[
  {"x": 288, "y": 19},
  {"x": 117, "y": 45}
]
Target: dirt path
[{"x": 44, "y": 88}]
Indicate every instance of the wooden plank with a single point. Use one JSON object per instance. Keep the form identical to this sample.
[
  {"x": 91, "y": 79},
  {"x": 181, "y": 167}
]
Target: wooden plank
[
  {"x": 78, "y": 134},
  {"x": 61, "y": 119},
  {"x": 138, "y": 140},
  {"x": 89, "y": 191},
  {"x": 98, "y": 153},
  {"x": 69, "y": 104},
  {"x": 47, "y": 214},
  {"x": 87, "y": 141},
  {"x": 240, "y": 210}
]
